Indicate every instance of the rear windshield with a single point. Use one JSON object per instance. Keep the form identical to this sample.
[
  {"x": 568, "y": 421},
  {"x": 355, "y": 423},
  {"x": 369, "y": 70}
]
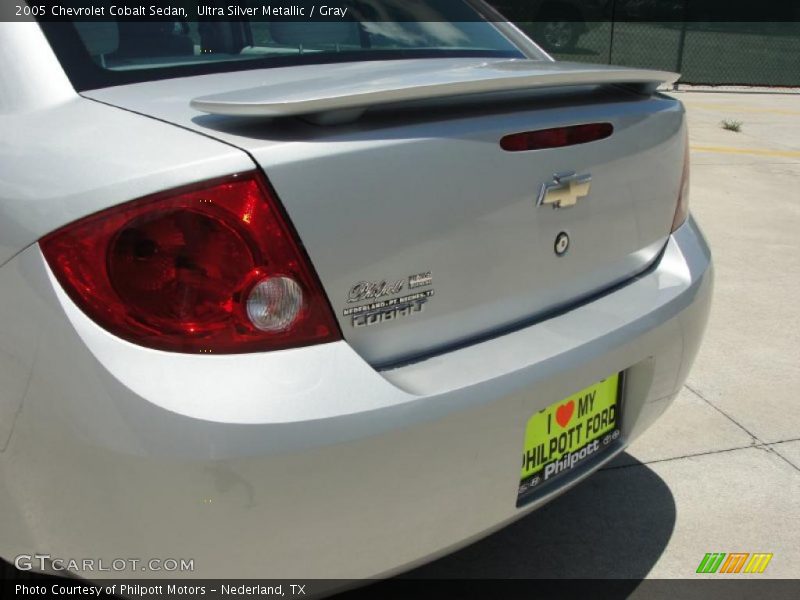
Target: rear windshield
[{"x": 114, "y": 52}]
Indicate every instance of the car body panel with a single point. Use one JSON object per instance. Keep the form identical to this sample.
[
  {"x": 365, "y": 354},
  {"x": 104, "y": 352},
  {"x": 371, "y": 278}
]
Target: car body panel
[
  {"x": 64, "y": 156},
  {"x": 427, "y": 189},
  {"x": 155, "y": 458},
  {"x": 315, "y": 462},
  {"x": 79, "y": 157}
]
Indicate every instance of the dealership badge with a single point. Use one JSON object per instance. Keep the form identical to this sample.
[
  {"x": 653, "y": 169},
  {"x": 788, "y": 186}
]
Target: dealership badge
[{"x": 385, "y": 308}]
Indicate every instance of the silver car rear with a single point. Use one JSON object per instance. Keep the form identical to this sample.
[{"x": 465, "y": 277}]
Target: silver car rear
[
  {"x": 424, "y": 200},
  {"x": 492, "y": 232}
]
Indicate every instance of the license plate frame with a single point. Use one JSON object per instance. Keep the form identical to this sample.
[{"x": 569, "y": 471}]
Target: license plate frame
[{"x": 583, "y": 429}]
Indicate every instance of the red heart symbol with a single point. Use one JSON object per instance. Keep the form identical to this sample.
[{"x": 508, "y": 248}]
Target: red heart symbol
[{"x": 564, "y": 413}]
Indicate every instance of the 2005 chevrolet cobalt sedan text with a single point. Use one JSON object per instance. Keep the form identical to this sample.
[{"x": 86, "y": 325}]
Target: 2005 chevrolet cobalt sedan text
[{"x": 326, "y": 299}]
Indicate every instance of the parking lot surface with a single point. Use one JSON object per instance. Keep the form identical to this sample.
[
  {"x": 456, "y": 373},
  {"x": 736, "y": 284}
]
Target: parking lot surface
[{"x": 720, "y": 472}]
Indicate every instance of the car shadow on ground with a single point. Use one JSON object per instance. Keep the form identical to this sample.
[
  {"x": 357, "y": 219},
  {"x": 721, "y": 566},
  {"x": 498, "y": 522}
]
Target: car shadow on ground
[{"x": 616, "y": 524}]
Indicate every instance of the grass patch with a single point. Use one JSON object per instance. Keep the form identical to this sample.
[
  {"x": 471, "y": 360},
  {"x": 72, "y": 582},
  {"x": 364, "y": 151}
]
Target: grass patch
[{"x": 731, "y": 125}]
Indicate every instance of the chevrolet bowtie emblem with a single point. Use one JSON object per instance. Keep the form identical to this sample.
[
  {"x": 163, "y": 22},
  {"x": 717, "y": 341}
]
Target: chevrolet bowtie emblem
[{"x": 565, "y": 190}]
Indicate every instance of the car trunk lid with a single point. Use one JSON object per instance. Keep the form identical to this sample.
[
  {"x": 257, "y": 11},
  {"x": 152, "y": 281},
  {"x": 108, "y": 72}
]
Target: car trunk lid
[{"x": 425, "y": 232}]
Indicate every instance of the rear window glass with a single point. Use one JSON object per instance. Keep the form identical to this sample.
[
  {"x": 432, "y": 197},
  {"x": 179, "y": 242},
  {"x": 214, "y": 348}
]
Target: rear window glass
[{"x": 112, "y": 52}]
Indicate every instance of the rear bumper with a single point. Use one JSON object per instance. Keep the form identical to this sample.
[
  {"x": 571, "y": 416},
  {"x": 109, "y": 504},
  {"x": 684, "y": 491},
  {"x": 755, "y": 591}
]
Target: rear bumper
[{"x": 305, "y": 463}]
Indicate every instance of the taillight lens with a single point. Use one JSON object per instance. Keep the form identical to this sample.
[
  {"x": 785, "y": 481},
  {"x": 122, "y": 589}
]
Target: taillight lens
[
  {"x": 682, "y": 210},
  {"x": 214, "y": 268},
  {"x": 557, "y": 137}
]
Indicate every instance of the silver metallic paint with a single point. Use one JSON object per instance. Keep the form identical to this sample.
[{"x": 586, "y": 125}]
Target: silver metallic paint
[
  {"x": 350, "y": 86},
  {"x": 268, "y": 465},
  {"x": 425, "y": 190}
]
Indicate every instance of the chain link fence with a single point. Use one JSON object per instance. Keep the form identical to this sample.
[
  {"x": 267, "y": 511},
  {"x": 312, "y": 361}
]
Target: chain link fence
[{"x": 713, "y": 52}]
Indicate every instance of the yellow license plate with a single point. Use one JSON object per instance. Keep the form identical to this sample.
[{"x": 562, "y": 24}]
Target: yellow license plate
[{"x": 567, "y": 434}]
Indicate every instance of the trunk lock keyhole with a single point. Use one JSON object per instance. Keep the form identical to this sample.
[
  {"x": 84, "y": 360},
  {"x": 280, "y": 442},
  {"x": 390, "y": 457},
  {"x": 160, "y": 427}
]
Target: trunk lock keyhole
[{"x": 562, "y": 243}]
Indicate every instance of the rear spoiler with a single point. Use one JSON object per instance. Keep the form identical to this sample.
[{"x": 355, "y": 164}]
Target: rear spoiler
[{"x": 348, "y": 89}]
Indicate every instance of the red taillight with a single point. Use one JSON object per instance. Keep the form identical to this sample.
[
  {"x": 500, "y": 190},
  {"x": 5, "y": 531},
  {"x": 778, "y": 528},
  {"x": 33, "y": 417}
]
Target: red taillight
[
  {"x": 214, "y": 268},
  {"x": 682, "y": 210},
  {"x": 558, "y": 137}
]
